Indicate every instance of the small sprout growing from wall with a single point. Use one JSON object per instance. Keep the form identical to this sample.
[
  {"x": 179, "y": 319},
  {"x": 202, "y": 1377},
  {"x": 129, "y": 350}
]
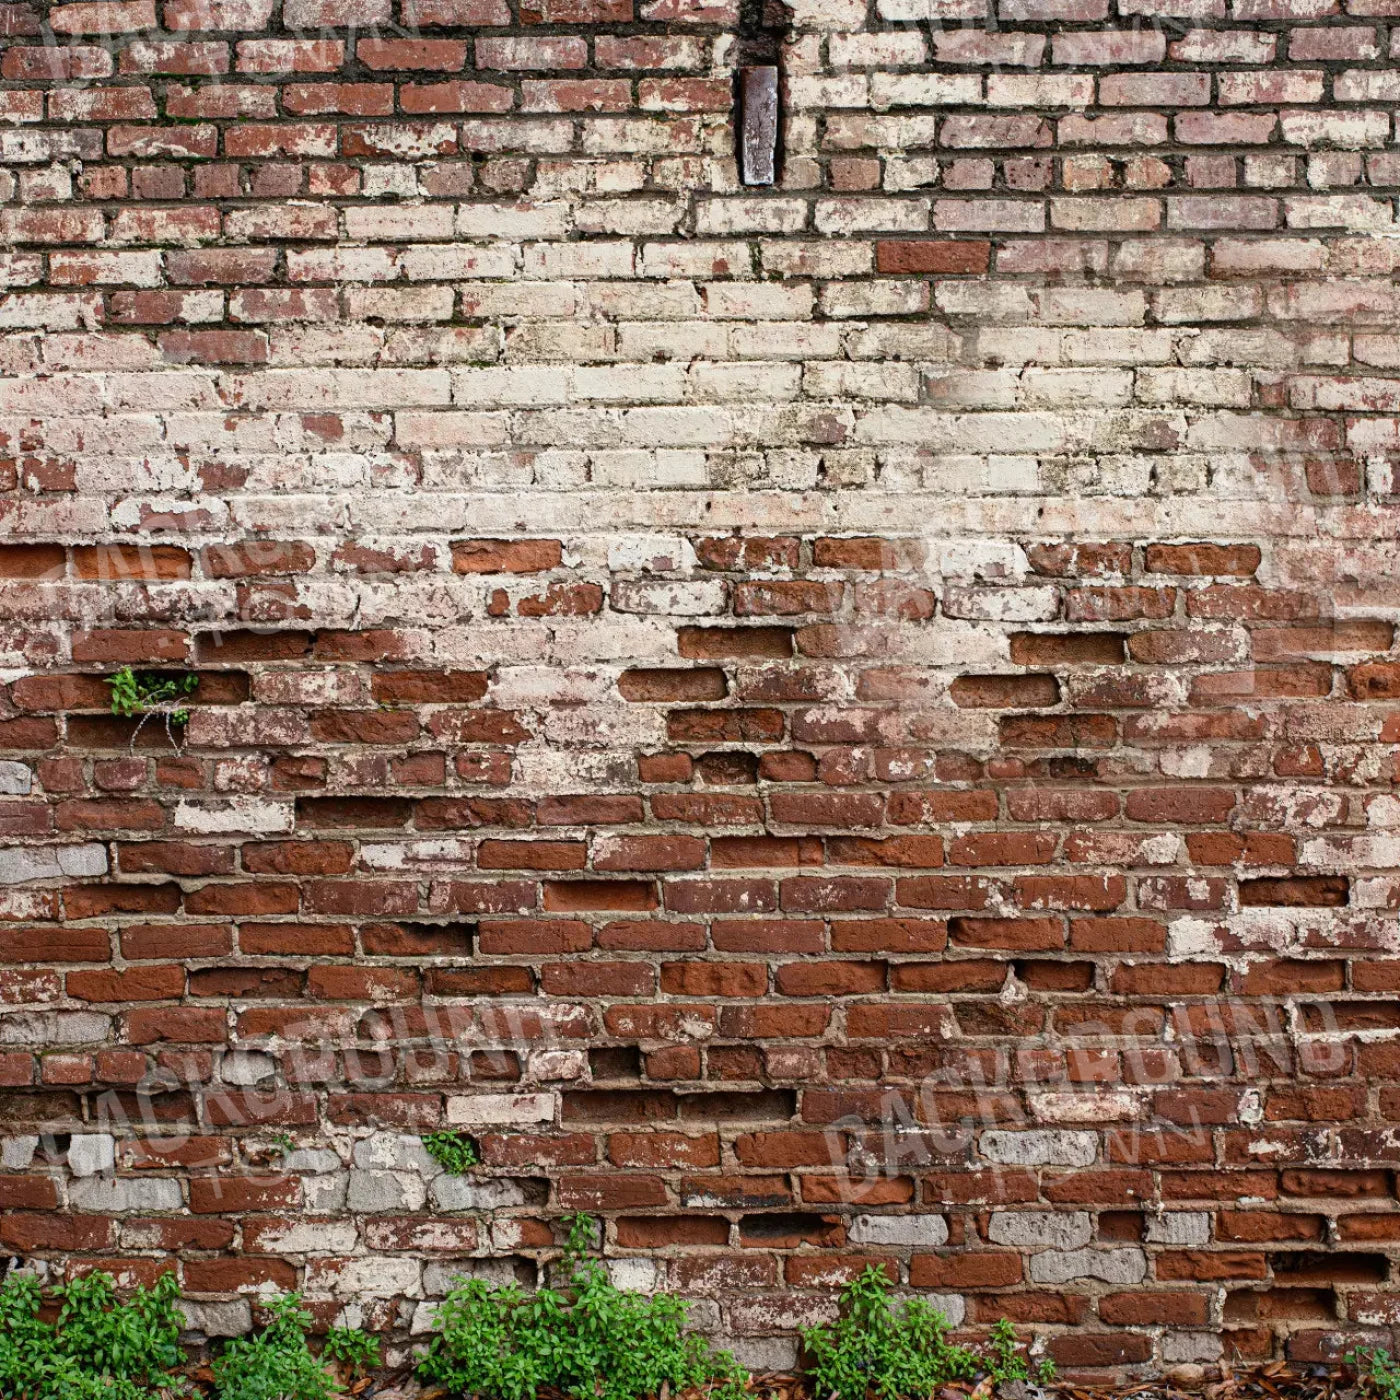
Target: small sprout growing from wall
[
  {"x": 455, "y": 1153},
  {"x": 147, "y": 693},
  {"x": 282, "y": 1145}
]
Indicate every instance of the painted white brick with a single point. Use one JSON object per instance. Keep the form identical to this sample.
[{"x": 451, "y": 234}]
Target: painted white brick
[
  {"x": 22, "y": 863},
  {"x": 491, "y": 1110},
  {"x": 1037, "y": 1229},
  {"x": 91, "y": 1153},
  {"x": 923, "y": 1231},
  {"x": 1039, "y": 1147},
  {"x": 1117, "y": 1266}
]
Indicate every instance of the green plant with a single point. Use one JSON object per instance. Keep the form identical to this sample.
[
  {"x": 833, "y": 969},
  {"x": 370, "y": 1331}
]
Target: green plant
[
  {"x": 1004, "y": 1361},
  {"x": 1377, "y": 1370},
  {"x": 589, "y": 1338},
  {"x": 98, "y": 1348},
  {"x": 873, "y": 1346},
  {"x": 276, "y": 1363},
  {"x": 455, "y": 1153},
  {"x": 352, "y": 1348},
  {"x": 140, "y": 692},
  {"x": 902, "y": 1353}
]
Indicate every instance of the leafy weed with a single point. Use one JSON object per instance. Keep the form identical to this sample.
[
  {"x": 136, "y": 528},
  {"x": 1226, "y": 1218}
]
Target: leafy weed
[
  {"x": 98, "y": 1349},
  {"x": 455, "y": 1153},
  {"x": 903, "y": 1352},
  {"x": 588, "y": 1339},
  {"x": 1377, "y": 1370},
  {"x": 140, "y": 692},
  {"x": 276, "y": 1363},
  {"x": 351, "y": 1348}
]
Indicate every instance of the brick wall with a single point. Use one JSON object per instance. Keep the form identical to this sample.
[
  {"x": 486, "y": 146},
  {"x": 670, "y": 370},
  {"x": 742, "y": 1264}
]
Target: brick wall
[{"x": 851, "y": 722}]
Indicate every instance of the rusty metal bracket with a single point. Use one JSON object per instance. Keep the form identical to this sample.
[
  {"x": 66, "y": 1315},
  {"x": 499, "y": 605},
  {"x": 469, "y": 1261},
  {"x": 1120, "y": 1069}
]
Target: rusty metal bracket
[{"x": 758, "y": 141}]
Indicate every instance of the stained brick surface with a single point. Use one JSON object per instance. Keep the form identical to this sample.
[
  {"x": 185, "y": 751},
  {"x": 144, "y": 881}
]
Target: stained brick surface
[{"x": 845, "y": 723}]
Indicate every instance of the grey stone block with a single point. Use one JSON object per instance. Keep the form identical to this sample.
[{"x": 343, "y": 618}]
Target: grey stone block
[
  {"x": 19, "y": 864},
  {"x": 114, "y": 1195},
  {"x": 91, "y": 1153},
  {"x": 16, "y": 779},
  {"x": 1032, "y": 1229},
  {"x": 1121, "y": 1266},
  {"x": 230, "y": 1319},
  {"x": 1058, "y": 1147},
  {"x": 374, "y": 1191},
  {"x": 914, "y": 1230}
]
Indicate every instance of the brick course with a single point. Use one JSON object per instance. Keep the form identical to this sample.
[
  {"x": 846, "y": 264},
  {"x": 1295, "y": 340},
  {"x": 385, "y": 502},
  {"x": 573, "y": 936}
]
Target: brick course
[{"x": 850, "y": 723}]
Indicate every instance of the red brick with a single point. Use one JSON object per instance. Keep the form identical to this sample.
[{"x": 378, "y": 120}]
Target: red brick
[
  {"x": 684, "y": 650},
  {"x": 932, "y": 256},
  {"x": 394, "y": 54}
]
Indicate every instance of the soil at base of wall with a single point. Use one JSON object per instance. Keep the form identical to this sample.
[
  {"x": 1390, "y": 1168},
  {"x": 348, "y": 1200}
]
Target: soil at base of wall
[{"x": 1271, "y": 1381}]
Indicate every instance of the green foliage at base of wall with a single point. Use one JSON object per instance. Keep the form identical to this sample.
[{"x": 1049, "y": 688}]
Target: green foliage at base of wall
[
  {"x": 903, "y": 1352},
  {"x": 276, "y": 1361},
  {"x": 1378, "y": 1372},
  {"x": 589, "y": 1338},
  {"x": 98, "y": 1349}
]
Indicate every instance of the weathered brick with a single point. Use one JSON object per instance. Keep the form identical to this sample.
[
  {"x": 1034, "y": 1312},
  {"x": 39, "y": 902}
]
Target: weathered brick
[{"x": 929, "y": 625}]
